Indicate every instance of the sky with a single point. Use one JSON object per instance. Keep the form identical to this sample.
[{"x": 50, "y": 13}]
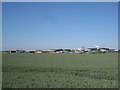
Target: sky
[{"x": 50, "y": 25}]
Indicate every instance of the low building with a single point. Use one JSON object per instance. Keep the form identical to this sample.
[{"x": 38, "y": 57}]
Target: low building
[
  {"x": 65, "y": 51},
  {"x": 6, "y": 51},
  {"x": 103, "y": 50},
  {"x": 58, "y": 51},
  {"x": 27, "y": 51},
  {"x": 20, "y": 51},
  {"x": 38, "y": 51}
]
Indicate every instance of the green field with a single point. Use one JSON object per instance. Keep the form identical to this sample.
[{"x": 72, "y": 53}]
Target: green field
[{"x": 60, "y": 70}]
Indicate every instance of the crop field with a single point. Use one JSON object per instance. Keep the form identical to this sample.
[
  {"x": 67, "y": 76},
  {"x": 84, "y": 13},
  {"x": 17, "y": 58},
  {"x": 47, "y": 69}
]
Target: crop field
[{"x": 50, "y": 70}]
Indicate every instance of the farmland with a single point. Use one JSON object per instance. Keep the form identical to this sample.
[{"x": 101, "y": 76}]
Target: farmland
[{"x": 50, "y": 70}]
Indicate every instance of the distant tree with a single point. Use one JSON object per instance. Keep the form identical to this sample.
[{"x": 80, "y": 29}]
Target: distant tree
[
  {"x": 58, "y": 50},
  {"x": 119, "y": 51},
  {"x": 67, "y": 50},
  {"x": 105, "y": 48},
  {"x": 45, "y": 51},
  {"x": 93, "y": 49}
]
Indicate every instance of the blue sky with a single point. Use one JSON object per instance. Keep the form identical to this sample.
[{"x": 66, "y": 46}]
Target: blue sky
[{"x": 41, "y": 25}]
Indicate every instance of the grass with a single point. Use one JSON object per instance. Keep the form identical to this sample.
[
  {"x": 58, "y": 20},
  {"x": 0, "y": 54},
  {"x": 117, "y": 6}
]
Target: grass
[{"x": 23, "y": 70}]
